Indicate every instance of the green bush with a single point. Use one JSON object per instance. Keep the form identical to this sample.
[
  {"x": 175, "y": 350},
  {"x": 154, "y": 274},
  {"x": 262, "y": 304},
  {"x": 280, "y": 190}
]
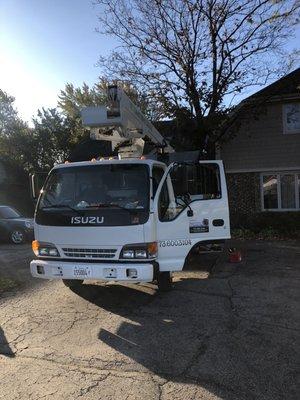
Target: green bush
[{"x": 267, "y": 224}]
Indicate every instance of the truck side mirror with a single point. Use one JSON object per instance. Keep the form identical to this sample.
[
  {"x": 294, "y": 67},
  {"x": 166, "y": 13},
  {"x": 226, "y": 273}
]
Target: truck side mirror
[
  {"x": 32, "y": 186},
  {"x": 32, "y": 183},
  {"x": 36, "y": 182}
]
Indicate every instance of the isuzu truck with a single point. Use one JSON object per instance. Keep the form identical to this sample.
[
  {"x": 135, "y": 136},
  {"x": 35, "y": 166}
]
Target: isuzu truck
[{"x": 131, "y": 218}]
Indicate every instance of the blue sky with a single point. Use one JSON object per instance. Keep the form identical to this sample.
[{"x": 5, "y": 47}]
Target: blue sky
[
  {"x": 46, "y": 43},
  {"x": 43, "y": 45}
]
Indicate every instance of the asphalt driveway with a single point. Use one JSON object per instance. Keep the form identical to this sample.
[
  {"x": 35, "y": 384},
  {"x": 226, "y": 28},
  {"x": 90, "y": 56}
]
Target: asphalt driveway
[
  {"x": 231, "y": 332},
  {"x": 14, "y": 271}
]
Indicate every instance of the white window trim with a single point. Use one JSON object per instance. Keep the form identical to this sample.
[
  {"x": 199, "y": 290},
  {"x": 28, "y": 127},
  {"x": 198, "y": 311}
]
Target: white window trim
[
  {"x": 278, "y": 175},
  {"x": 286, "y": 131}
]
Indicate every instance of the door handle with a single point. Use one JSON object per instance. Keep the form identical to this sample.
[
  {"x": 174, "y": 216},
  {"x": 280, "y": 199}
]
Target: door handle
[{"x": 218, "y": 222}]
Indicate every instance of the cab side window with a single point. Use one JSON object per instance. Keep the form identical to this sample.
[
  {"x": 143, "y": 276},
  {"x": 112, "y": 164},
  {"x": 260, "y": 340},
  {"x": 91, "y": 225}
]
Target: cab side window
[
  {"x": 198, "y": 181},
  {"x": 168, "y": 208},
  {"x": 163, "y": 203},
  {"x": 190, "y": 182},
  {"x": 204, "y": 181}
]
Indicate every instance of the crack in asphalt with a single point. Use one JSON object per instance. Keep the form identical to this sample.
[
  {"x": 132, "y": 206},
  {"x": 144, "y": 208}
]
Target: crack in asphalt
[
  {"x": 84, "y": 391},
  {"x": 84, "y": 367},
  {"x": 39, "y": 318}
]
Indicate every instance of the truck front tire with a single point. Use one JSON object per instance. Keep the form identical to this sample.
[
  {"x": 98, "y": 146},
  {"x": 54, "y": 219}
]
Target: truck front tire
[
  {"x": 164, "y": 281},
  {"x": 73, "y": 283}
]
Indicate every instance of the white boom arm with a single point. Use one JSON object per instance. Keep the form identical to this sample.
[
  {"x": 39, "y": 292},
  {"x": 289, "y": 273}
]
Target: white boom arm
[{"x": 120, "y": 121}]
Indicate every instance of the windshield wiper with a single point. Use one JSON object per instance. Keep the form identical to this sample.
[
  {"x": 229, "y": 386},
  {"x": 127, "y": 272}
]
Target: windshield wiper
[
  {"x": 111, "y": 205},
  {"x": 62, "y": 206}
]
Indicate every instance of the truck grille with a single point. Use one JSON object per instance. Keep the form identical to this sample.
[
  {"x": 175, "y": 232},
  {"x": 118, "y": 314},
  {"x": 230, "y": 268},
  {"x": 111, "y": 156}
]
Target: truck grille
[{"x": 89, "y": 253}]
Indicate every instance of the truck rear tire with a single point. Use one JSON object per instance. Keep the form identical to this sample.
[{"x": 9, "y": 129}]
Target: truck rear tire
[
  {"x": 73, "y": 283},
  {"x": 164, "y": 281}
]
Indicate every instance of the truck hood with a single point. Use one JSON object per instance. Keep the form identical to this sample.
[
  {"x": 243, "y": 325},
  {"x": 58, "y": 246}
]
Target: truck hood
[{"x": 90, "y": 236}]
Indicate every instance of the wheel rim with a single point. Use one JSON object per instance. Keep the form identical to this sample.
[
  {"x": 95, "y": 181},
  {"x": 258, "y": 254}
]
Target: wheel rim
[{"x": 17, "y": 237}]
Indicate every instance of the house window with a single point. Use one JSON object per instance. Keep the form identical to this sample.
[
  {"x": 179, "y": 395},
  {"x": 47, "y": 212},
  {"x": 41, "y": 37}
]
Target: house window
[
  {"x": 298, "y": 184},
  {"x": 291, "y": 118},
  {"x": 280, "y": 191},
  {"x": 288, "y": 198},
  {"x": 270, "y": 183}
]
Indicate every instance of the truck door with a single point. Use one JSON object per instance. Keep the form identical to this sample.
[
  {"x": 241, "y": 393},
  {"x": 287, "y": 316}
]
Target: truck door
[{"x": 191, "y": 206}]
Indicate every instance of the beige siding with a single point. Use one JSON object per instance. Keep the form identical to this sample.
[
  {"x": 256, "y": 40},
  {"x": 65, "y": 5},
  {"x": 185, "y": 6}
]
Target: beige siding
[{"x": 261, "y": 145}]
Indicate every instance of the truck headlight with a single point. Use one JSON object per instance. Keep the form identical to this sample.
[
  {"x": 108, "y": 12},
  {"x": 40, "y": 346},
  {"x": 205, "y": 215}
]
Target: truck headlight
[
  {"x": 139, "y": 251},
  {"x": 126, "y": 253},
  {"x": 41, "y": 249}
]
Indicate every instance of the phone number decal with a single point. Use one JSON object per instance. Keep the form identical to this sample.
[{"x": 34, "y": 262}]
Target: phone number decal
[{"x": 167, "y": 243}]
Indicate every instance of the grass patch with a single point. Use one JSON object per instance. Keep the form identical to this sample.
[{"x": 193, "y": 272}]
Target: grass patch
[
  {"x": 265, "y": 234},
  {"x": 7, "y": 284}
]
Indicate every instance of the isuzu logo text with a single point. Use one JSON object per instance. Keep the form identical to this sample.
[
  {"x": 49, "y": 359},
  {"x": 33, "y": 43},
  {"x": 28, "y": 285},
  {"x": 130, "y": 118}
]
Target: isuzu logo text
[{"x": 87, "y": 220}]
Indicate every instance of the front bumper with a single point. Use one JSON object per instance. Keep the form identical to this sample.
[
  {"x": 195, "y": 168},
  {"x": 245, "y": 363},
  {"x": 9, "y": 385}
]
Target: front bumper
[{"x": 94, "y": 271}]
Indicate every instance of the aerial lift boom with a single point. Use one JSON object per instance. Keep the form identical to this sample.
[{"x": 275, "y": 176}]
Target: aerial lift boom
[{"x": 123, "y": 124}]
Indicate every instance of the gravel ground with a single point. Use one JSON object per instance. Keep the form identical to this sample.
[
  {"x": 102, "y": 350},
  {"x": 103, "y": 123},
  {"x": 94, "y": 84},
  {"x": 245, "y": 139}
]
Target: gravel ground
[{"x": 231, "y": 332}]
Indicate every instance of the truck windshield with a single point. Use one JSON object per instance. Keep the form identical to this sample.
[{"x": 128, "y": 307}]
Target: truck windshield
[{"x": 123, "y": 186}]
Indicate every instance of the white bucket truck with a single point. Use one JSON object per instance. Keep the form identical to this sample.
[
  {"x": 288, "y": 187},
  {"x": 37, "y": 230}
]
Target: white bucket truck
[{"x": 127, "y": 219}]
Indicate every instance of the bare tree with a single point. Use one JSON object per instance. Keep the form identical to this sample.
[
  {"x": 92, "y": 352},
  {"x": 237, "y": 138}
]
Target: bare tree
[{"x": 197, "y": 53}]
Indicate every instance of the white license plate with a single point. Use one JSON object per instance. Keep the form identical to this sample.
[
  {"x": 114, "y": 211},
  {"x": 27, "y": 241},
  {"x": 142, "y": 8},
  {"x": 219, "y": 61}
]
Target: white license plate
[{"x": 82, "y": 272}]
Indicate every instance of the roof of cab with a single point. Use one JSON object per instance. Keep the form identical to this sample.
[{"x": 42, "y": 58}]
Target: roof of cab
[{"x": 107, "y": 162}]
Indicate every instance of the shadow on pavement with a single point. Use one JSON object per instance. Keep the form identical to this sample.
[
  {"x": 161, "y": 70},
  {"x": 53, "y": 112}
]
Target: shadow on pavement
[
  {"x": 4, "y": 346},
  {"x": 194, "y": 335}
]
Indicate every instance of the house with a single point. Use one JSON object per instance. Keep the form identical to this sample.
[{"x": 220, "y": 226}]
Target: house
[{"x": 260, "y": 148}]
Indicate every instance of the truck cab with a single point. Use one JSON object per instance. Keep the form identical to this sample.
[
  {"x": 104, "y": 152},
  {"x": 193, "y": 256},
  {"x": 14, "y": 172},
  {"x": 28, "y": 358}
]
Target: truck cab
[{"x": 131, "y": 220}]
